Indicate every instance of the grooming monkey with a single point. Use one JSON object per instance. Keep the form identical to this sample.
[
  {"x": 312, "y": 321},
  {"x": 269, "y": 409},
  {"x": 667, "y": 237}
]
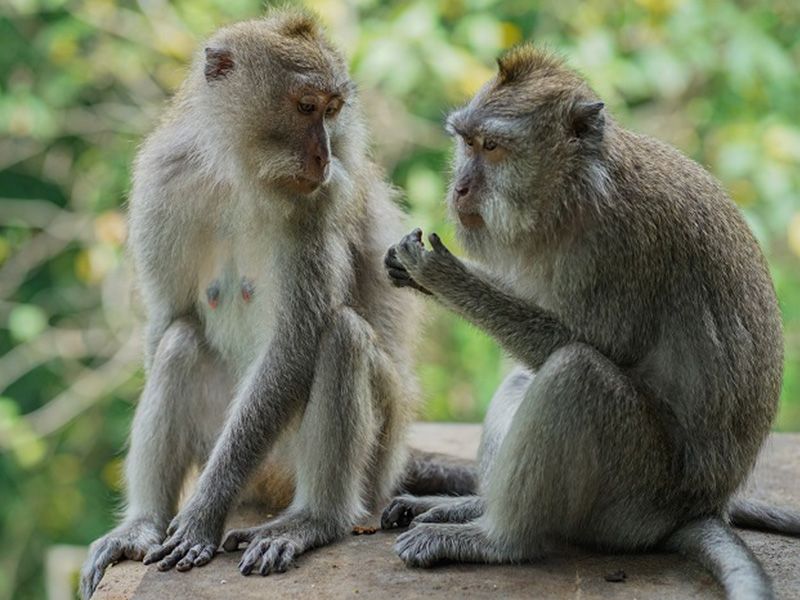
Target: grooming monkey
[
  {"x": 257, "y": 227},
  {"x": 640, "y": 308}
]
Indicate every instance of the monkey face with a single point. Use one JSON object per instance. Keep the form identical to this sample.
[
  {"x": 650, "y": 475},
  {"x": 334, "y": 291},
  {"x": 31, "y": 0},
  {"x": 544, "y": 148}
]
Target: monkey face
[
  {"x": 311, "y": 115},
  {"x": 493, "y": 171},
  {"x": 284, "y": 95},
  {"x": 529, "y": 134}
]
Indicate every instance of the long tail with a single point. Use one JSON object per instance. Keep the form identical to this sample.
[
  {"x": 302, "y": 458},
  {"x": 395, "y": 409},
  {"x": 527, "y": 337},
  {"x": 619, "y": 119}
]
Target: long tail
[
  {"x": 430, "y": 473},
  {"x": 714, "y": 544},
  {"x": 751, "y": 514}
]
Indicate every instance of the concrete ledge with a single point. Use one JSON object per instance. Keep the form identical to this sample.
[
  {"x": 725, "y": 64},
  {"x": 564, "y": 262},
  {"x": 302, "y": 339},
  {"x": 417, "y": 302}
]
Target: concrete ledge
[{"x": 365, "y": 566}]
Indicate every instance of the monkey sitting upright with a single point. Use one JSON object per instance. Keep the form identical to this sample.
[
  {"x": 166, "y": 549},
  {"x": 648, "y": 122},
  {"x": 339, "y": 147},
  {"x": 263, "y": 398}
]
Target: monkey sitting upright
[
  {"x": 626, "y": 283},
  {"x": 258, "y": 226}
]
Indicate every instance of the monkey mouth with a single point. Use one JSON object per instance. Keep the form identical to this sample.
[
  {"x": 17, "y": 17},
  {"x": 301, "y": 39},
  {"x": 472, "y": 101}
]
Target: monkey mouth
[
  {"x": 471, "y": 220},
  {"x": 301, "y": 185}
]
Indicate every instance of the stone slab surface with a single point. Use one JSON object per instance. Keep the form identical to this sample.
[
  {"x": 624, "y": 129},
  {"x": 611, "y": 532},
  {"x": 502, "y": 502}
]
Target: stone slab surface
[{"x": 366, "y": 567}]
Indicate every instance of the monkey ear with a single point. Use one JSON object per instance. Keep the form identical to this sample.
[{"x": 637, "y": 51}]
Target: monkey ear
[
  {"x": 587, "y": 119},
  {"x": 219, "y": 62}
]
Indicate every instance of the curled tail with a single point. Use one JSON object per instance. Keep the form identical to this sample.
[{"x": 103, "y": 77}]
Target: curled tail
[
  {"x": 430, "y": 473},
  {"x": 750, "y": 514},
  {"x": 714, "y": 544}
]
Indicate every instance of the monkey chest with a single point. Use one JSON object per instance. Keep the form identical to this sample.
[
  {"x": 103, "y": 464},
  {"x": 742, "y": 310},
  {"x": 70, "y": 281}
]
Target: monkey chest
[{"x": 236, "y": 298}]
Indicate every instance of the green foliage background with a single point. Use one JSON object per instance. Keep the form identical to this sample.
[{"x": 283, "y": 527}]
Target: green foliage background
[{"x": 81, "y": 81}]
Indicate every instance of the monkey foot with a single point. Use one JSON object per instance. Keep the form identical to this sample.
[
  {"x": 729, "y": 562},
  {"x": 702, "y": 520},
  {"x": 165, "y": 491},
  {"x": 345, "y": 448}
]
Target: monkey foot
[
  {"x": 273, "y": 547},
  {"x": 130, "y": 540},
  {"x": 431, "y": 543}
]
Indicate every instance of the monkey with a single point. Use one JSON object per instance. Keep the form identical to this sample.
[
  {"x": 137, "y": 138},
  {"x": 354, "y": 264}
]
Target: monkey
[
  {"x": 258, "y": 223},
  {"x": 641, "y": 312}
]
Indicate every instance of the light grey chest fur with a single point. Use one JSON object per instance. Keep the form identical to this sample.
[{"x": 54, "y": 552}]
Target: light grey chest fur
[{"x": 237, "y": 295}]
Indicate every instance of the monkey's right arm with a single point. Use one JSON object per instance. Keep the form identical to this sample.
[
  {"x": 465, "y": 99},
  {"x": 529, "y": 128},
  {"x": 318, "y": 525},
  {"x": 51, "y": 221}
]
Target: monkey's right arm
[{"x": 528, "y": 332}]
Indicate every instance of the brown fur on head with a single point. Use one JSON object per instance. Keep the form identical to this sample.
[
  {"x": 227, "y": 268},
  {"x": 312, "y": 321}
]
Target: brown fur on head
[{"x": 528, "y": 137}]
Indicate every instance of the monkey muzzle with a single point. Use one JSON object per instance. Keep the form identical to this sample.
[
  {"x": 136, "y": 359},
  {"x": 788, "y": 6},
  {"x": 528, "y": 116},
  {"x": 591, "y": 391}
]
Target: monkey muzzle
[
  {"x": 471, "y": 220},
  {"x": 467, "y": 212}
]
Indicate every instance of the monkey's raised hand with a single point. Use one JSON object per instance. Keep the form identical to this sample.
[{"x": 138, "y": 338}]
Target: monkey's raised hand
[
  {"x": 414, "y": 266},
  {"x": 398, "y": 274},
  {"x": 191, "y": 543}
]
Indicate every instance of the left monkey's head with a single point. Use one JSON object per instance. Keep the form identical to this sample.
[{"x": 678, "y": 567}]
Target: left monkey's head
[{"x": 282, "y": 98}]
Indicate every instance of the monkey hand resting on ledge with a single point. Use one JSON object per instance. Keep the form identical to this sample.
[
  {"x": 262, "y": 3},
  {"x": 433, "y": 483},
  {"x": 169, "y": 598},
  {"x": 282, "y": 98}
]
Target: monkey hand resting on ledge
[
  {"x": 274, "y": 340},
  {"x": 640, "y": 308}
]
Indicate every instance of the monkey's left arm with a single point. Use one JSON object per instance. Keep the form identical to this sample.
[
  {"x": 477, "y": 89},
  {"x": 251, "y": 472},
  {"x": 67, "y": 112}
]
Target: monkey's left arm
[{"x": 527, "y": 331}]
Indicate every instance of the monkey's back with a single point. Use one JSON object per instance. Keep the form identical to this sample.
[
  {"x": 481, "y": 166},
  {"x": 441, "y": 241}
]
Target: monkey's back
[{"x": 717, "y": 354}]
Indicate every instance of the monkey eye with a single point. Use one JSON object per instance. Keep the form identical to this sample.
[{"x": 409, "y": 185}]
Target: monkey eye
[
  {"x": 306, "y": 107},
  {"x": 333, "y": 108},
  {"x": 489, "y": 145},
  {"x": 468, "y": 141}
]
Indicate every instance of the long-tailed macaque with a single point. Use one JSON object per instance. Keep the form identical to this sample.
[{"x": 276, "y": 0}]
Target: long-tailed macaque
[
  {"x": 258, "y": 225},
  {"x": 640, "y": 308}
]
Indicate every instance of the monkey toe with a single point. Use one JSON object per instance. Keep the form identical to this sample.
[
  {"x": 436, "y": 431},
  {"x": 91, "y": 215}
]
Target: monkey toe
[
  {"x": 434, "y": 515},
  {"x": 104, "y": 554},
  {"x": 250, "y": 556},
  {"x": 278, "y": 557},
  {"x": 418, "y": 547},
  {"x": 90, "y": 581},
  {"x": 399, "y": 513},
  {"x": 130, "y": 540},
  {"x": 273, "y": 555},
  {"x": 236, "y": 537}
]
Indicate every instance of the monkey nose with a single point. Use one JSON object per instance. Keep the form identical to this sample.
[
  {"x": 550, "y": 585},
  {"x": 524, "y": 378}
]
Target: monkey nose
[{"x": 323, "y": 160}]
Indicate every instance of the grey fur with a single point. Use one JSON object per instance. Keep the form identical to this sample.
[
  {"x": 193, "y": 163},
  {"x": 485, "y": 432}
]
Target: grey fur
[
  {"x": 300, "y": 355},
  {"x": 431, "y": 473},
  {"x": 751, "y": 514},
  {"x": 629, "y": 288}
]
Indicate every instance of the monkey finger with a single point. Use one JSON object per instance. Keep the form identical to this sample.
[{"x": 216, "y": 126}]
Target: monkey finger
[
  {"x": 391, "y": 260},
  {"x": 177, "y": 554},
  {"x": 161, "y": 551},
  {"x": 413, "y": 239},
  {"x": 205, "y": 556},
  {"x": 419, "y": 288},
  {"x": 437, "y": 245},
  {"x": 187, "y": 562},
  {"x": 399, "y": 276}
]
